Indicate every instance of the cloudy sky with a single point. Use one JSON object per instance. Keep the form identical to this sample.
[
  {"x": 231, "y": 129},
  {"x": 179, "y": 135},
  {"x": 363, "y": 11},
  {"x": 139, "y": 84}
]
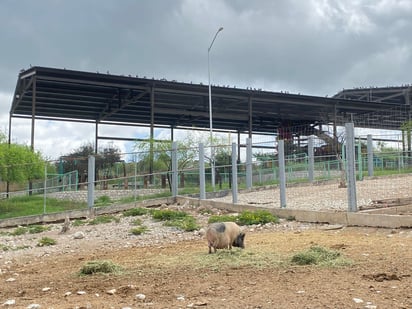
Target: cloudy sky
[{"x": 314, "y": 47}]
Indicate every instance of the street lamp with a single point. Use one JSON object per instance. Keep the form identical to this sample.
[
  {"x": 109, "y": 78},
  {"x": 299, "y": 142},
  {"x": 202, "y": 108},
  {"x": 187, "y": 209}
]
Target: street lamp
[{"x": 212, "y": 159}]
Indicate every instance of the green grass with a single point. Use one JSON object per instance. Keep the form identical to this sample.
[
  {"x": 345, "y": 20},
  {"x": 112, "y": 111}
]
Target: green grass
[
  {"x": 139, "y": 230},
  {"x": 139, "y": 211},
  {"x": 103, "y": 219},
  {"x": 103, "y": 200},
  {"x": 20, "y": 206},
  {"x": 46, "y": 241},
  {"x": 140, "y": 198},
  {"x": 178, "y": 219},
  {"x": 247, "y": 218}
]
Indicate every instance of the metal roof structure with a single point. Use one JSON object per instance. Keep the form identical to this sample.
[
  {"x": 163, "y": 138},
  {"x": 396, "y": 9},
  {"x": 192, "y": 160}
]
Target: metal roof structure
[{"x": 100, "y": 98}]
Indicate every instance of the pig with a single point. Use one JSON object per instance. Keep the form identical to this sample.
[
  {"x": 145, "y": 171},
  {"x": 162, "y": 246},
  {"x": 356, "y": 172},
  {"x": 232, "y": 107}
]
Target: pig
[{"x": 223, "y": 235}]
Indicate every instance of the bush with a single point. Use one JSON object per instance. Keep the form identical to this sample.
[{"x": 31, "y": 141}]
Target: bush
[{"x": 256, "y": 217}]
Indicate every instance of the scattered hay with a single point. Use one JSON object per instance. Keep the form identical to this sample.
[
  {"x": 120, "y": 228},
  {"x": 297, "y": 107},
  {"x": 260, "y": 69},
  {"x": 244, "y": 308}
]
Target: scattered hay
[
  {"x": 100, "y": 266},
  {"x": 320, "y": 256}
]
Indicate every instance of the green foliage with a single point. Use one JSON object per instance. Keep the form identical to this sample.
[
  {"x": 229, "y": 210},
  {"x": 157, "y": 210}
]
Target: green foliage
[
  {"x": 103, "y": 219},
  {"x": 46, "y": 241},
  {"x": 256, "y": 217},
  {"x": 222, "y": 218},
  {"x": 78, "y": 159},
  {"x": 178, "y": 219},
  {"x": 138, "y": 230},
  {"x": 247, "y": 218},
  {"x": 19, "y": 231},
  {"x": 186, "y": 224},
  {"x": 78, "y": 222},
  {"x": 139, "y": 211},
  {"x": 319, "y": 256},
  {"x": 167, "y": 214},
  {"x": 99, "y": 266},
  {"x": 34, "y": 229},
  {"x": 19, "y": 164}
]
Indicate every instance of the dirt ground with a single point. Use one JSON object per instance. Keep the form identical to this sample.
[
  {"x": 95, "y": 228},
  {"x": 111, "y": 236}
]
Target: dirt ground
[{"x": 181, "y": 274}]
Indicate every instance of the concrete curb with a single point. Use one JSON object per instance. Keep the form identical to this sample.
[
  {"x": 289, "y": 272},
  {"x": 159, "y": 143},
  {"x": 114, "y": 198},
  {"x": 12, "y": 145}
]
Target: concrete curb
[
  {"x": 393, "y": 217},
  {"x": 368, "y": 218}
]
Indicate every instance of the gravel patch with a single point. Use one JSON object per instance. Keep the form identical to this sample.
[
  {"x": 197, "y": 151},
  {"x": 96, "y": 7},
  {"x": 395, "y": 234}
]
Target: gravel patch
[{"x": 328, "y": 196}]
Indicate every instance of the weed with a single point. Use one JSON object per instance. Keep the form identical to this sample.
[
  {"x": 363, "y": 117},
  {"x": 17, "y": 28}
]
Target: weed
[
  {"x": 167, "y": 214},
  {"x": 139, "y": 211},
  {"x": 256, "y": 217},
  {"x": 34, "y": 229},
  {"x": 46, "y": 241},
  {"x": 136, "y": 222},
  {"x": 247, "y": 218},
  {"x": 19, "y": 231},
  {"x": 222, "y": 218},
  {"x": 103, "y": 219},
  {"x": 78, "y": 222},
  {"x": 186, "y": 224},
  {"x": 138, "y": 230}
]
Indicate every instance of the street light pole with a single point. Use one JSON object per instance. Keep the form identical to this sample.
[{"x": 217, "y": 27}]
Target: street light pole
[{"x": 212, "y": 157}]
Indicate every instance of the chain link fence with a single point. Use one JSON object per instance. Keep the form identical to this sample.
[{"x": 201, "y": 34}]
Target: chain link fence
[{"x": 307, "y": 157}]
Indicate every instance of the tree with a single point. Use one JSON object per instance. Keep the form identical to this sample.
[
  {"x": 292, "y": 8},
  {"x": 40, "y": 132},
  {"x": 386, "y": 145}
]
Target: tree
[
  {"x": 78, "y": 160},
  {"x": 158, "y": 153},
  {"x": 18, "y": 163}
]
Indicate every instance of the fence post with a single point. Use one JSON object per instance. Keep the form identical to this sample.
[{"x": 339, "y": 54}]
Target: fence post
[
  {"x": 311, "y": 159},
  {"x": 45, "y": 189},
  {"x": 360, "y": 165},
  {"x": 282, "y": 175},
  {"x": 135, "y": 178},
  {"x": 249, "y": 163},
  {"x": 234, "y": 174},
  {"x": 202, "y": 171},
  {"x": 370, "y": 155},
  {"x": 90, "y": 178},
  {"x": 174, "y": 169},
  {"x": 350, "y": 170}
]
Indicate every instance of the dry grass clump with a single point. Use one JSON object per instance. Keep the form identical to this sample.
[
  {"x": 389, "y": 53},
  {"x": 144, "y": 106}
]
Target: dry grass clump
[
  {"x": 320, "y": 256},
  {"x": 100, "y": 266}
]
